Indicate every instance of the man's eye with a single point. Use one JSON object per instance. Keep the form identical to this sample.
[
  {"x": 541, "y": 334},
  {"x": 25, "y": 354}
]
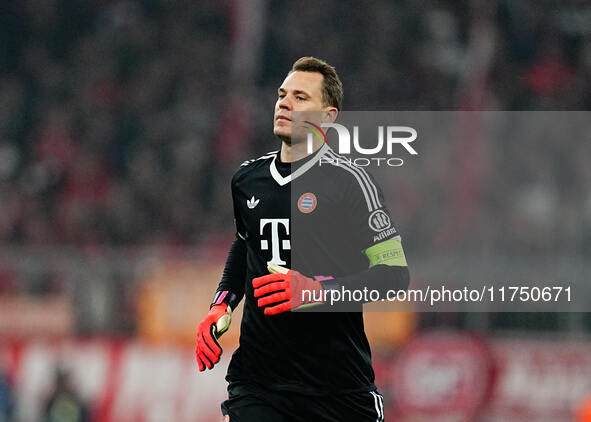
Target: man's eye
[
  {"x": 281, "y": 95},
  {"x": 300, "y": 98}
]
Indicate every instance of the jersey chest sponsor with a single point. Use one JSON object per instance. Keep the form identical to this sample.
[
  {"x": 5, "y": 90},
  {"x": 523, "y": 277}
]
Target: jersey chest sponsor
[{"x": 274, "y": 233}]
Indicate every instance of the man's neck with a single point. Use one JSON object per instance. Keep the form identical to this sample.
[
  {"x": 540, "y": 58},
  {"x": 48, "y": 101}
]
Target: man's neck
[{"x": 295, "y": 152}]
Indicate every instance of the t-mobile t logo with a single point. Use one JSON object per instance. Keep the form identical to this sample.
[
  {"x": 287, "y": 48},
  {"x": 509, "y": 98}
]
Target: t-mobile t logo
[{"x": 275, "y": 248}]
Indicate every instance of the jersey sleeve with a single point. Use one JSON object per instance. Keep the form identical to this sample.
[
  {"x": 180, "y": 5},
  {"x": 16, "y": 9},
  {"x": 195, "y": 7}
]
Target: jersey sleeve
[
  {"x": 238, "y": 221},
  {"x": 231, "y": 287},
  {"x": 374, "y": 233}
]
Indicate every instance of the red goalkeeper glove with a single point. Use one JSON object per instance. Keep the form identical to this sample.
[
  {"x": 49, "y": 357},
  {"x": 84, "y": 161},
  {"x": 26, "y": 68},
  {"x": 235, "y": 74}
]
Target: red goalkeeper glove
[
  {"x": 281, "y": 291},
  {"x": 216, "y": 323}
]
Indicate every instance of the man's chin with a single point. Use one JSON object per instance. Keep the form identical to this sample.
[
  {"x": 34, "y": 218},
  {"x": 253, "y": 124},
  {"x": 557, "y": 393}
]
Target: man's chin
[
  {"x": 283, "y": 134},
  {"x": 286, "y": 135}
]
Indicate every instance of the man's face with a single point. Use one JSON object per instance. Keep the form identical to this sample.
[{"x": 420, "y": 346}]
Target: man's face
[{"x": 300, "y": 91}]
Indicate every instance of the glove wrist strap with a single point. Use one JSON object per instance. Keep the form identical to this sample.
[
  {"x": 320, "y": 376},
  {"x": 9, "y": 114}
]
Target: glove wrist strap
[{"x": 225, "y": 296}]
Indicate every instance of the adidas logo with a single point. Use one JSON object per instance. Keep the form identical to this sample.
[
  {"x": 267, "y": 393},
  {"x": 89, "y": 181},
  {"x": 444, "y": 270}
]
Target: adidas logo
[{"x": 251, "y": 203}]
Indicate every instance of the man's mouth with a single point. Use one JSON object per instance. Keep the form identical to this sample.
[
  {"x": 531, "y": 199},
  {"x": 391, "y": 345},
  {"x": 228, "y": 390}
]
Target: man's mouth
[{"x": 287, "y": 119}]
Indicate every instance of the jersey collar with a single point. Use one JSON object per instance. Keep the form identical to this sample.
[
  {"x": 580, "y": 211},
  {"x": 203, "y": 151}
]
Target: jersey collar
[{"x": 301, "y": 170}]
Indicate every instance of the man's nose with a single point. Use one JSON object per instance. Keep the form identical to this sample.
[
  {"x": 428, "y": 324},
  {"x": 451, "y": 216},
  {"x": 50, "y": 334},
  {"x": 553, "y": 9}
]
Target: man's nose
[{"x": 285, "y": 103}]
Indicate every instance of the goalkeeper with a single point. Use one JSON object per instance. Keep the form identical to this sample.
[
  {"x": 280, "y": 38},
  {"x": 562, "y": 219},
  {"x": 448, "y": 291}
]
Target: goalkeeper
[{"x": 302, "y": 366}]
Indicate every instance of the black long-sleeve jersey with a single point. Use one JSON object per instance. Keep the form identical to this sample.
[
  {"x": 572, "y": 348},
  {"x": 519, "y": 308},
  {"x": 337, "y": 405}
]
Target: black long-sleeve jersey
[{"x": 324, "y": 219}]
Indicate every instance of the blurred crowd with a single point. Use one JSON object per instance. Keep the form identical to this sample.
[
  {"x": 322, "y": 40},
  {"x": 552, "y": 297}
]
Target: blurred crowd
[
  {"x": 121, "y": 122},
  {"x": 108, "y": 115}
]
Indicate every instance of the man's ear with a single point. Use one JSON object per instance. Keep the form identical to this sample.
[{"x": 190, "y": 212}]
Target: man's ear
[{"x": 330, "y": 115}]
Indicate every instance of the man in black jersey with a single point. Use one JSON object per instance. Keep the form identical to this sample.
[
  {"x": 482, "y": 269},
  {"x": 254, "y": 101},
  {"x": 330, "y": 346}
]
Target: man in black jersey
[{"x": 302, "y": 366}]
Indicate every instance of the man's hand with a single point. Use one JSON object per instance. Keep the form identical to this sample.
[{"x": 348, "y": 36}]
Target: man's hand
[
  {"x": 216, "y": 323},
  {"x": 281, "y": 291}
]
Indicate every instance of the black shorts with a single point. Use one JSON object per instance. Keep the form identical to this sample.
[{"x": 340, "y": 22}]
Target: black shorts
[{"x": 254, "y": 404}]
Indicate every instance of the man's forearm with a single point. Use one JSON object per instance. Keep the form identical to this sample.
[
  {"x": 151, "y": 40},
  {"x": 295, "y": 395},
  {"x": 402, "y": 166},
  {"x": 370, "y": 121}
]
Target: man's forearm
[
  {"x": 379, "y": 277},
  {"x": 231, "y": 287},
  {"x": 388, "y": 271}
]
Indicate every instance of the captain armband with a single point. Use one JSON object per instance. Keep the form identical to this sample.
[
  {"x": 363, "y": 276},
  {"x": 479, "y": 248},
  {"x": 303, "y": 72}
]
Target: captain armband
[{"x": 388, "y": 252}]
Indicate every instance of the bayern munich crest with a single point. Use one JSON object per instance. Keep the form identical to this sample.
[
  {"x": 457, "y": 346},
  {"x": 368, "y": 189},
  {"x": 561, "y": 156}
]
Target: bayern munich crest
[{"x": 307, "y": 203}]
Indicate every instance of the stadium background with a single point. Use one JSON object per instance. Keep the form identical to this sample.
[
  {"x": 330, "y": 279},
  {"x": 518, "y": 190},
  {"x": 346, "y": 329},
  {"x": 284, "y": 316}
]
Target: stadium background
[{"x": 121, "y": 123}]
